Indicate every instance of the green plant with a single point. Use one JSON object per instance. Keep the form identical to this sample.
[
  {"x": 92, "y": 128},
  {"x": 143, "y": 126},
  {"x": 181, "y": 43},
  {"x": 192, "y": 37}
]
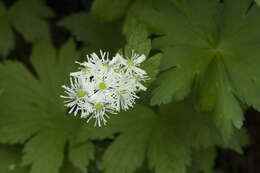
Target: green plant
[{"x": 202, "y": 58}]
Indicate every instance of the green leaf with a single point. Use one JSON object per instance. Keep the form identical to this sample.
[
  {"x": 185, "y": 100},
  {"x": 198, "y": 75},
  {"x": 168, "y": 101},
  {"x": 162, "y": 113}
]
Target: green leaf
[
  {"x": 203, "y": 160},
  {"x": 45, "y": 151},
  {"x": 151, "y": 66},
  {"x": 144, "y": 131},
  {"x": 81, "y": 154},
  {"x": 237, "y": 141},
  {"x": 109, "y": 10},
  {"x": 257, "y": 2},
  {"x": 138, "y": 42},
  {"x": 30, "y": 23},
  {"x": 165, "y": 139},
  {"x": 216, "y": 94},
  {"x": 68, "y": 168},
  {"x": 166, "y": 153},
  {"x": 10, "y": 158},
  {"x": 6, "y": 34},
  {"x": 96, "y": 35},
  {"x": 127, "y": 153},
  {"x": 182, "y": 5},
  {"x": 38, "y": 117},
  {"x": 191, "y": 42}
]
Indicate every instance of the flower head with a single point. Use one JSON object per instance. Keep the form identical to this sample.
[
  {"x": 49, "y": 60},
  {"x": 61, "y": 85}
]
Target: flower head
[{"x": 104, "y": 86}]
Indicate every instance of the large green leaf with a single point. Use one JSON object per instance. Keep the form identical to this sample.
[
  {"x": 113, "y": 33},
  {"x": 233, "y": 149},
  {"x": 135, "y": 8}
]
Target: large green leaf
[
  {"x": 30, "y": 23},
  {"x": 33, "y": 113},
  {"x": 164, "y": 138},
  {"x": 210, "y": 34},
  {"x": 127, "y": 153}
]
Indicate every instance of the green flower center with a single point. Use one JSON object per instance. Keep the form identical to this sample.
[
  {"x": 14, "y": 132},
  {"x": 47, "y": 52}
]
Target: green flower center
[
  {"x": 80, "y": 94},
  {"x": 98, "y": 106},
  {"x": 105, "y": 65},
  {"x": 122, "y": 91},
  {"x": 116, "y": 70},
  {"x": 87, "y": 69},
  {"x": 130, "y": 63},
  {"x": 102, "y": 85}
]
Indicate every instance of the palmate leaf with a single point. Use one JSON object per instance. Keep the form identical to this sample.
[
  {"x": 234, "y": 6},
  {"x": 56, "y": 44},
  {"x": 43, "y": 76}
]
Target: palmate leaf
[
  {"x": 33, "y": 113},
  {"x": 30, "y": 23},
  {"x": 211, "y": 34},
  {"x": 164, "y": 140}
]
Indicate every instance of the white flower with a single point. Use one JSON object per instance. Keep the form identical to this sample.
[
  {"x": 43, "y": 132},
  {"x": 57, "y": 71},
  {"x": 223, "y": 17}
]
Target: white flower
[
  {"x": 103, "y": 86},
  {"x": 101, "y": 106},
  {"x": 131, "y": 66},
  {"x": 77, "y": 96}
]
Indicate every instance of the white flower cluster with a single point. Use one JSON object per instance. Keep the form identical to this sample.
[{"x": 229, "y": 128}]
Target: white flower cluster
[{"x": 104, "y": 86}]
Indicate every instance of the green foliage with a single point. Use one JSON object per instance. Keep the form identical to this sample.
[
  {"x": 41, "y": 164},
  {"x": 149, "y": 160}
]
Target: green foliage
[
  {"x": 139, "y": 42},
  {"x": 130, "y": 147},
  {"x": 165, "y": 140},
  {"x": 210, "y": 49},
  {"x": 96, "y": 35},
  {"x": 38, "y": 116},
  {"x": 26, "y": 17},
  {"x": 10, "y": 158},
  {"x": 203, "y": 160},
  {"x": 202, "y": 60},
  {"x": 257, "y": 2},
  {"x": 109, "y": 10},
  {"x": 81, "y": 154}
]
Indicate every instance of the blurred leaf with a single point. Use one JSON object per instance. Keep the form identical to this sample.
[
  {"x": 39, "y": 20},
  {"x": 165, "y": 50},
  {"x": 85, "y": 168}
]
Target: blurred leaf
[
  {"x": 151, "y": 66},
  {"x": 96, "y": 35},
  {"x": 81, "y": 154},
  {"x": 6, "y": 34},
  {"x": 68, "y": 168},
  {"x": 109, "y": 10},
  {"x": 239, "y": 140},
  {"x": 28, "y": 18},
  {"x": 182, "y": 5},
  {"x": 203, "y": 160},
  {"x": 10, "y": 158}
]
